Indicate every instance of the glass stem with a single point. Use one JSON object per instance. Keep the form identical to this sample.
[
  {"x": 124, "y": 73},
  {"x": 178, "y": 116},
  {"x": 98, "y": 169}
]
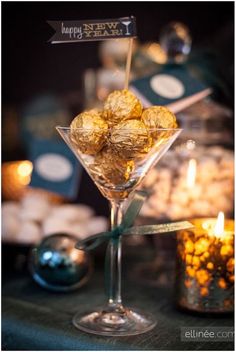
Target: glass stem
[{"x": 113, "y": 259}]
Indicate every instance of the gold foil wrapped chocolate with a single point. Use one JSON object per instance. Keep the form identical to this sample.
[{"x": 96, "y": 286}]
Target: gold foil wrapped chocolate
[
  {"x": 121, "y": 105},
  {"x": 130, "y": 139},
  {"x": 111, "y": 167},
  {"x": 89, "y": 131},
  {"x": 159, "y": 117}
]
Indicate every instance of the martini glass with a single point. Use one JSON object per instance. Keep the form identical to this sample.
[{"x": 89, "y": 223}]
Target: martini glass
[
  {"x": 126, "y": 23},
  {"x": 116, "y": 182}
]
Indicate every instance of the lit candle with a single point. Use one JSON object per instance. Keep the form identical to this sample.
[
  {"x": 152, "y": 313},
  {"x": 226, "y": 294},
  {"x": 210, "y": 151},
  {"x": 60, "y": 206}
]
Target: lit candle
[
  {"x": 16, "y": 175},
  {"x": 24, "y": 171},
  {"x": 217, "y": 228},
  {"x": 220, "y": 225},
  {"x": 191, "y": 173},
  {"x": 193, "y": 189},
  {"x": 205, "y": 264}
]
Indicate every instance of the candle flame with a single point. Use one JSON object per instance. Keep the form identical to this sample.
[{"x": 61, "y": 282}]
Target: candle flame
[
  {"x": 25, "y": 168},
  {"x": 24, "y": 171},
  {"x": 220, "y": 224},
  {"x": 190, "y": 144},
  {"x": 156, "y": 53},
  {"x": 191, "y": 173}
]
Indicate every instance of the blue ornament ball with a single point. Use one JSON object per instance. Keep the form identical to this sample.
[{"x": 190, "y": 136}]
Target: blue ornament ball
[
  {"x": 176, "y": 41},
  {"x": 57, "y": 265}
]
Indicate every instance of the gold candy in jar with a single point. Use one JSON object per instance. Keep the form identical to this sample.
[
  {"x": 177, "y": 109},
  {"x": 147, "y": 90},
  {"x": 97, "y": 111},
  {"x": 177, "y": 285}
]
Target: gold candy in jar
[
  {"x": 205, "y": 267},
  {"x": 111, "y": 167},
  {"x": 121, "y": 105},
  {"x": 130, "y": 139},
  {"x": 89, "y": 131}
]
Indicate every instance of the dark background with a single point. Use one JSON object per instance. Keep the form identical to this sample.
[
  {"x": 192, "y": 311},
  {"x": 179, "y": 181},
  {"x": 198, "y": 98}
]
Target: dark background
[{"x": 32, "y": 66}]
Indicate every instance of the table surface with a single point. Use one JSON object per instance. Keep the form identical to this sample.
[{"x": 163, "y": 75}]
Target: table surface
[{"x": 36, "y": 319}]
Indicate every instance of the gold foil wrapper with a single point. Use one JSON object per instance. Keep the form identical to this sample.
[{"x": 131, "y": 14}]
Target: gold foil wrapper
[
  {"x": 159, "y": 117},
  {"x": 130, "y": 139},
  {"x": 121, "y": 105},
  {"x": 111, "y": 167},
  {"x": 89, "y": 131}
]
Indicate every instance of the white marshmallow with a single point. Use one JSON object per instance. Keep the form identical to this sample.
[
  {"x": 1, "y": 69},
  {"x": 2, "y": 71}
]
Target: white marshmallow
[
  {"x": 213, "y": 189},
  {"x": 97, "y": 224},
  {"x": 34, "y": 213},
  {"x": 34, "y": 207},
  {"x": 29, "y": 233},
  {"x": 10, "y": 208},
  {"x": 55, "y": 225},
  {"x": 10, "y": 226},
  {"x": 73, "y": 213}
]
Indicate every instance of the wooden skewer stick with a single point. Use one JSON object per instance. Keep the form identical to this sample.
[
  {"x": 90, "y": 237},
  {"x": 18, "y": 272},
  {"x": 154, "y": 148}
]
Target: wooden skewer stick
[{"x": 128, "y": 63}]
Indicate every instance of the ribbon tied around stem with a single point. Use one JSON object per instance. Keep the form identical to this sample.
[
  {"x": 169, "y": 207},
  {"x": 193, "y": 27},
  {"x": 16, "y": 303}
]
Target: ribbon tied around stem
[{"x": 126, "y": 227}]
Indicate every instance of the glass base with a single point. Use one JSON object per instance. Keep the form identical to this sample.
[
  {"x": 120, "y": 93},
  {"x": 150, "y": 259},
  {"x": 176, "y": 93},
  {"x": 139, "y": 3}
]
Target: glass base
[{"x": 114, "y": 322}]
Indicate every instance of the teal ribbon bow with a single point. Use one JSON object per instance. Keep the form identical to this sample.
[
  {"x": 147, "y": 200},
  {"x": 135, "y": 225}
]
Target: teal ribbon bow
[{"x": 126, "y": 228}]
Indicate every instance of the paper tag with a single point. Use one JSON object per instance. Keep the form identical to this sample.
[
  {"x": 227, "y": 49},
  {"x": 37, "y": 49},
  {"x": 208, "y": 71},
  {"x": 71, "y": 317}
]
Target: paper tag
[
  {"x": 91, "y": 30},
  {"x": 171, "y": 85},
  {"x": 55, "y": 168},
  {"x": 167, "y": 86}
]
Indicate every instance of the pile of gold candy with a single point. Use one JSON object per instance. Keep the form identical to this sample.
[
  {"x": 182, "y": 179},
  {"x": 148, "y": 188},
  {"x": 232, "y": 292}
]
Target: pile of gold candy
[
  {"x": 122, "y": 132},
  {"x": 205, "y": 268}
]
